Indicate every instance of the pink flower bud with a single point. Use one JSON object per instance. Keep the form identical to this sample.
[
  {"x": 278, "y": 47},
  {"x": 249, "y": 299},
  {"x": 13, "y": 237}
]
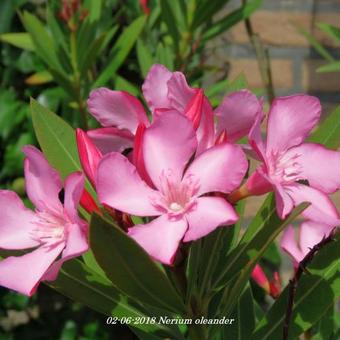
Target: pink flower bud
[
  {"x": 88, "y": 203},
  {"x": 89, "y": 155},
  {"x": 260, "y": 278}
]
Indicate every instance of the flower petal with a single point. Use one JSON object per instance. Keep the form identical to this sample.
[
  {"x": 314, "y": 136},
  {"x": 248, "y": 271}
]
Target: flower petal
[
  {"x": 76, "y": 244},
  {"x": 284, "y": 203},
  {"x": 236, "y": 114},
  {"x": 16, "y": 222},
  {"x": 111, "y": 139},
  {"x": 168, "y": 143},
  {"x": 116, "y": 108},
  {"x": 288, "y": 243},
  {"x": 23, "y": 273},
  {"x": 320, "y": 166},
  {"x": 43, "y": 183},
  {"x": 155, "y": 87},
  {"x": 220, "y": 168},
  {"x": 119, "y": 186},
  {"x": 290, "y": 121},
  {"x": 311, "y": 233},
  {"x": 74, "y": 187},
  {"x": 160, "y": 238},
  {"x": 179, "y": 92},
  {"x": 255, "y": 138},
  {"x": 322, "y": 209},
  {"x": 209, "y": 213}
]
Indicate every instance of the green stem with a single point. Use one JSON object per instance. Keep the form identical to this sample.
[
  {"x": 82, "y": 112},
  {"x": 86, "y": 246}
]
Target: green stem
[{"x": 76, "y": 81}]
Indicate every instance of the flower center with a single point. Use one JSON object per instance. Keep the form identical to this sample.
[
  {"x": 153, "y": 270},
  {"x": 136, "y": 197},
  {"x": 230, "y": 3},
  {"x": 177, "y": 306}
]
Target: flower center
[
  {"x": 50, "y": 228},
  {"x": 285, "y": 167},
  {"x": 177, "y": 195}
]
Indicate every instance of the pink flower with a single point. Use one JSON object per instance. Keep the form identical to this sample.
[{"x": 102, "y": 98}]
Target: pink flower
[
  {"x": 120, "y": 113},
  {"x": 310, "y": 234},
  {"x": 286, "y": 160},
  {"x": 52, "y": 230},
  {"x": 272, "y": 287},
  {"x": 177, "y": 195}
]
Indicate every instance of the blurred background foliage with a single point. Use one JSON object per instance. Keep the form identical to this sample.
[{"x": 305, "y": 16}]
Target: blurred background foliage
[{"x": 57, "y": 51}]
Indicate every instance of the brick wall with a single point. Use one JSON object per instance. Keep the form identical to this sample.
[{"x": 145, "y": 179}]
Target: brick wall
[{"x": 293, "y": 61}]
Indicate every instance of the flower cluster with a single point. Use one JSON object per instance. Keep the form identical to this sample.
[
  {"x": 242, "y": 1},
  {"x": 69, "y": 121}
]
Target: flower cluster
[{"x": 181, "y": 171}]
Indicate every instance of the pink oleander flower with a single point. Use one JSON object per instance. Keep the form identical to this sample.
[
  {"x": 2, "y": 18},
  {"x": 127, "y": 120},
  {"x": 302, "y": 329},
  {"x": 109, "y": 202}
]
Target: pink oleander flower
[
  {"x": 179, "y": 195},
  {"x": 309, "y": 234},
  {"x": 121, "y": 113},
  {"x": 54, "y": 230},
  {"x": 273, "y": 287},
  {"x": 286, "y": 160}
]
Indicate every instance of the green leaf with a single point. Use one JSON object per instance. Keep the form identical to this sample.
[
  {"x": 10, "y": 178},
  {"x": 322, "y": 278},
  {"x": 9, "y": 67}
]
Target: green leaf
[
  {"x": 120, "y": 50},
  {"x": 170, "y": 21},
  {"x": 56, "y": 138},
  {"x": 78, "y": 282},
  {"x": 328, "y": 131},
  {"x": 244, "y": 316},
  {"x": 243, "y": 258},
  {"x": 231, "y": 19},
  {"x": 95, "y": 9},
  {"x": 129, "y": 268},
  {"x": 315, "y": 294},
  {"x": 331, "y": 67},
  {"x": 145, "y": 59},
  {"x": 165, "y": 56},
  {"x": 205, "y": 11},
  {"x": 122, "y": 84},
  {"x": 332, "y": 31},
  {"x": 39, "y": 78},
  {"x": 21, "y": 40},
  {"x": 315, "y": 43},
  {"x": 43, "y": 42}
]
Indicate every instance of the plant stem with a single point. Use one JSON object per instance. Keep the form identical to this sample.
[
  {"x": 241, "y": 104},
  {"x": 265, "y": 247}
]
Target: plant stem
[
  {"x": 293, "y": 283},
  {"x": 262, "y": 56},
  {"x": 76, "y": 81}
]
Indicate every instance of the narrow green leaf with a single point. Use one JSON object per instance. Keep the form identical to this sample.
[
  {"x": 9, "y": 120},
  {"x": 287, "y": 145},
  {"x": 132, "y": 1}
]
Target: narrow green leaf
[
  {"x": 120, "y": 50},
  {"x": 145, "y": 59},
  {"x": 170, "y": 21},
  {"x": 315, "y": 43},
  {"x": 332, "y": 31},
  {"x": 21, "y": 40},
  {"x": 165, "y": 56},
  {"x": 244, "y": 316},
  {"x": 319, "y": 289},
  {"x": 38, "y": 78},
  {"x": 231, "y": 19},
  {"x": 243, "y": 258},
  {"x": 205, "y": 11},
  {"x": 331, "y": 67},
  {"x": 95, "y": 9},
  {"x": 43, "y": 42},
  {"x": 78, "y": 282},
  {"x": 328, "y": 131},
  {"x": 129, "y": 268},
  {"x": 122, "y": 84}
]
